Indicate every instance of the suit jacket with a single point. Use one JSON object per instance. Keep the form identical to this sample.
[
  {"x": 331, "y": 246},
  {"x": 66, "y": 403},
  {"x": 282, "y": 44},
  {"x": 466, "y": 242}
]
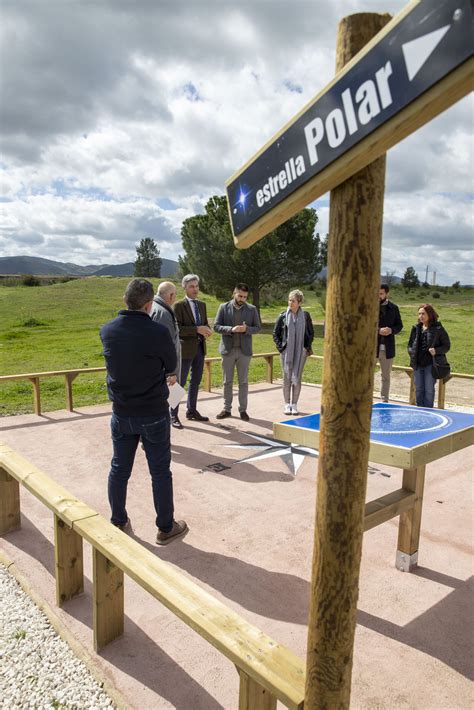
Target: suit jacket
[
  {"x": 390, "y": 319},
  {"x": 188, "y": 335},
  {"x": 225, "y": 322},
  {"x": 162, "y": 313}
]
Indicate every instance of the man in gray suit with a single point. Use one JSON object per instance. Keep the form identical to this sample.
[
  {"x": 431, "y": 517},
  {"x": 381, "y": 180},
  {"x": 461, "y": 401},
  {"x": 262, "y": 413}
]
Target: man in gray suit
[
  {"x": 162, "y": 312},
  {"x": 236, "y": 321}
]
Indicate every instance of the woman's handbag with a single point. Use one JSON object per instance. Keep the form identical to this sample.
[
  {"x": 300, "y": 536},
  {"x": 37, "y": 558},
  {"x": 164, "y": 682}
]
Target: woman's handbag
[{"x": 441, "y": 369}]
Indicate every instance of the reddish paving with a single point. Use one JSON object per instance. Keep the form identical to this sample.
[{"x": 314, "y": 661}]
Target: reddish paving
[{"x": 250, "y": 543}]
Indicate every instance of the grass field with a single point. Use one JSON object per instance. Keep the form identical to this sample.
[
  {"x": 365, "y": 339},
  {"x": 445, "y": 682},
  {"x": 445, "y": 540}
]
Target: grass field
[{"x": 56, "y": 327}]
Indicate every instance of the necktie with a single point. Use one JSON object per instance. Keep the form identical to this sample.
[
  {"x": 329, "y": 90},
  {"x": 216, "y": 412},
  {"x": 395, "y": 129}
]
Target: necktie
[{"x": 196, "y": 313}]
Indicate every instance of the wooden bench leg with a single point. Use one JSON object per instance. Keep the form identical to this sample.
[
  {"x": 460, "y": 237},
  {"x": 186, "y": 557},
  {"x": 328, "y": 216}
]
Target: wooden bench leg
[
  {"x": 108, "y": 600},
  {"x": 36, "y": 394},
  {"x": 252, "y": 696},
  {"x": 68, "y": 562},
  {"x": 269, "y": 361},
  {"x": 410, "y": 521},
  {"x": 69, "y": 379},
  {"x": 9, "y": 503}
]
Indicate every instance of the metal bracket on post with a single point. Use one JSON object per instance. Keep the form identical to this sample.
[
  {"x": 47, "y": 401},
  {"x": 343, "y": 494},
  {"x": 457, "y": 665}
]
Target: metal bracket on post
[{"x": 405, "y": 562}]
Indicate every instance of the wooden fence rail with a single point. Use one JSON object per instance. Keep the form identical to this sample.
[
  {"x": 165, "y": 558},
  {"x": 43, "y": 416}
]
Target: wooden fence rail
[
  {"x": 268, "y": 671},
  {"x": 70, "y": 376}
]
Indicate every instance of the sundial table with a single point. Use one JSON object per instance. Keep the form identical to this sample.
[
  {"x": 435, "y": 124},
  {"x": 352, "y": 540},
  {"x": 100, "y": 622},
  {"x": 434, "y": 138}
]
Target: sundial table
[{"x": 405, "y": 437}]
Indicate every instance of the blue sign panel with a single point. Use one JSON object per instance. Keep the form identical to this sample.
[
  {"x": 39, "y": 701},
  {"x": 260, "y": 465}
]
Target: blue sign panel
[
  {"x": 424, "y": 47},
  {"x": 402, "y": 425}
]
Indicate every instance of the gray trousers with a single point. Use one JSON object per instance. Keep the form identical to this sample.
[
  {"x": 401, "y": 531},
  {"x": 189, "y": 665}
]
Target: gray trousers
[
  {"x": 385, "y": 369},
  {"x": 291, "y": 392},
  {"x": 234, "y": 359}
]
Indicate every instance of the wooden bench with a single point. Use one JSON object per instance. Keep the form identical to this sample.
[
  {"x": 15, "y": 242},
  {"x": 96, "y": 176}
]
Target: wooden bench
[{"x": 268, "y": 671}]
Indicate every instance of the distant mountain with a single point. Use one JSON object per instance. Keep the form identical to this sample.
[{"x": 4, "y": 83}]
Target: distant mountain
[
  {"x": 168, "y": 268},
  {"x": 46, "y": 267}
]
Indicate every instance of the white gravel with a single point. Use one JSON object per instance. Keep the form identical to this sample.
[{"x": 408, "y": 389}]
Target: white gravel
[{"x": 37, "y": 668}]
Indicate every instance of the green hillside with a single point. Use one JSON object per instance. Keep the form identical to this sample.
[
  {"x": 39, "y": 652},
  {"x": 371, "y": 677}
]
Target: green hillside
[{"x": 56, "y": 327}]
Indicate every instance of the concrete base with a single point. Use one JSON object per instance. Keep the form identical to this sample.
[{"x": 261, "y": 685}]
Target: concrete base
[{"x": 405, "y": 562}]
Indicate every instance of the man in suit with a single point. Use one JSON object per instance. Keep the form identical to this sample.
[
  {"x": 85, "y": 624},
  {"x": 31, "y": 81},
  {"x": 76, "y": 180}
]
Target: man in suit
[
  {"x": 191, "y": 316},
  {"x": 390, "y": 324},
  {"x": 237, "y": 321}
]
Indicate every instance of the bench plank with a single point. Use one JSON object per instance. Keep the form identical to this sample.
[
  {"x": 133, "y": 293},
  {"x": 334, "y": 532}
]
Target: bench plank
[{"x": 274, "y": 667}]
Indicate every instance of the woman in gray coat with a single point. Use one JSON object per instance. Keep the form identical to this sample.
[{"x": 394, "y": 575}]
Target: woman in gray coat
[{"x": 293, "y": 335}]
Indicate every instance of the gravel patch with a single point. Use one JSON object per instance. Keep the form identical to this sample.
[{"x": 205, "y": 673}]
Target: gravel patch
[{"x": 37, "y": 668}]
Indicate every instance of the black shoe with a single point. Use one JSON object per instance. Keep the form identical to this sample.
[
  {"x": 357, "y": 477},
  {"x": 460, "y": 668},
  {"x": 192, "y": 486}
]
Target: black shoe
[
  {"x": 223, "y": 415},
  {"x": 176, "y": 423},
  {"x": 244, "y": 416},
  {"x": 125, "y": 527},
  {"x": 196, "y": 416}
]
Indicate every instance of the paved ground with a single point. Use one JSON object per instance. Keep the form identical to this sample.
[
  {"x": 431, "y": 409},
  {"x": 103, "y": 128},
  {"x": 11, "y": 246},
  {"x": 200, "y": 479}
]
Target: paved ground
[{"x": 250, "y": 543}]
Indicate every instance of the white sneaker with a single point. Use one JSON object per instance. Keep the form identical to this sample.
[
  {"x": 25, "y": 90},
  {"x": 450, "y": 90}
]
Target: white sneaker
[
  {"x": 294, "y": 409},
  {"x": 287, "y": 409}
]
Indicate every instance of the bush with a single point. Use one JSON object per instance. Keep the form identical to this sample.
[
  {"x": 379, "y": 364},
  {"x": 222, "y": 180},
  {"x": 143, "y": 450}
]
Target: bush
[
  {"x": 435, "y": 294},
  {"x": 30, "y": 280},
  {"x": 32, "y": 323}
]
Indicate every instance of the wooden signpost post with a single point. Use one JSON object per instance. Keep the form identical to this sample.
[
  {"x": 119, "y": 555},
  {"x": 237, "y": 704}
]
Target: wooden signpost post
[{"x": 418, "y": 65}]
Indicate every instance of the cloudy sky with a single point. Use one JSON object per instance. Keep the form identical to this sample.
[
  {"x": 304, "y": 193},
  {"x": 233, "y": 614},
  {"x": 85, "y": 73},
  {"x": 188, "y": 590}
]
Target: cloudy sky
[{"x": 119, "y": 119}]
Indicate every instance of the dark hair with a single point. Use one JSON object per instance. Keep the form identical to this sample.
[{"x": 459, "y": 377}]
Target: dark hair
[
  {"x": 137, "y": 293},
  {"x": 384, "y": 287},
  {"x": 241, "y": 287},
  {"x": 432, "y": 315}
]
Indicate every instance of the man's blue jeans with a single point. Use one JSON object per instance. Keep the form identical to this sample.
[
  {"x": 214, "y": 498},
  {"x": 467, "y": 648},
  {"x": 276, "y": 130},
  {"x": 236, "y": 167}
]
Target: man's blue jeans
[
  {"x": 196, "y": 365},
  {"x": 155, "y": 434},
  {"x": 425, "y": 387}
]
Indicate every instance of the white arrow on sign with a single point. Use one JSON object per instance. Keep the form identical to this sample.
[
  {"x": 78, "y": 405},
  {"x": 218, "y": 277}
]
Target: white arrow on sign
[{"x": 417, "y": 51}]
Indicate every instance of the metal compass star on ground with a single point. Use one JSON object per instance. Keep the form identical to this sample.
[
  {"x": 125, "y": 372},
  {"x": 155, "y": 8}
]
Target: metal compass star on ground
[{"x": 292, "y": 454}]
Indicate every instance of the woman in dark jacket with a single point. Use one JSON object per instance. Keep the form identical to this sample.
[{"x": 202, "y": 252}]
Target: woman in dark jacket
[
  {"x": 293, "y": 335},
  {"x": 427, "y": 339}
]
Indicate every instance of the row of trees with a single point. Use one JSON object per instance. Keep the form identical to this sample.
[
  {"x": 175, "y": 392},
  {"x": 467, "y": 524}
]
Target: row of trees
[{"x": 292, "y": 254}]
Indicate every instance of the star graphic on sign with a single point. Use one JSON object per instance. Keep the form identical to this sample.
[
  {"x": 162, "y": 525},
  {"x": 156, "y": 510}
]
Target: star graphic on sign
[{"x": 292, "y": 454}]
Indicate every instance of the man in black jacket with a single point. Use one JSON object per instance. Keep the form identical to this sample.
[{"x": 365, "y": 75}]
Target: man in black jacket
[
  {"x": 140, "y": 354},
  {"x": 390, "y": 323}
]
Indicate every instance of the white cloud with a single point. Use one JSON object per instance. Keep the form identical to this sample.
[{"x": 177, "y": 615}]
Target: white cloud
[{"x": 110, "y": 110}]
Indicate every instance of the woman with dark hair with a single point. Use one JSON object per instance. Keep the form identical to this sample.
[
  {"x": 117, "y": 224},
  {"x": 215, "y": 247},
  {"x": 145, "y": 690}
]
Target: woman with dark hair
[
  {"x": 427, "y": 339},
  {"x": 293, "y": 335}
]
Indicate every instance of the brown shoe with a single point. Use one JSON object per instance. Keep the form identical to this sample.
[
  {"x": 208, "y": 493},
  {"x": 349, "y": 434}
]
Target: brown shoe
[
  {"x": 223, "y": 415},
  {"x": 179, "y": 528}
]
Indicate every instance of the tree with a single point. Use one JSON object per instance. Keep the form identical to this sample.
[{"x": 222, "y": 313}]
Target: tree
[
  {"x": 410, "y": 278},
  {"x": 289, "y": 255},
  {"x": 323, "y": 251},
  {"x": 389, "y": 278},
  {"x": 148, "y": 262}
]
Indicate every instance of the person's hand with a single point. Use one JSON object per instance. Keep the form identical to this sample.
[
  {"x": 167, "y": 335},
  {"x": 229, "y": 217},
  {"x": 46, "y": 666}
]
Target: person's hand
[
  {"x": 432, "y": 351},
  {"x": 171, "y": 380},
  {"x": 385, "y": 331},
  {"x": 240, "y": 328},
  {"x": 204, "y": 330}
]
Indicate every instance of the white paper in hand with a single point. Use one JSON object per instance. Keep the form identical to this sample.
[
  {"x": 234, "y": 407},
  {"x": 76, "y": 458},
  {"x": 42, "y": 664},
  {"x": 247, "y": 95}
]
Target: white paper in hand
[{"x": 175, "y": 395}]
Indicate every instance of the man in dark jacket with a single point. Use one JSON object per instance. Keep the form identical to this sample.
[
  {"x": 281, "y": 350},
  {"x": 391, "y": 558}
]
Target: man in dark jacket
[
  {"x": 140, "y": 354},
  {"x": 390, "y": 324}
]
